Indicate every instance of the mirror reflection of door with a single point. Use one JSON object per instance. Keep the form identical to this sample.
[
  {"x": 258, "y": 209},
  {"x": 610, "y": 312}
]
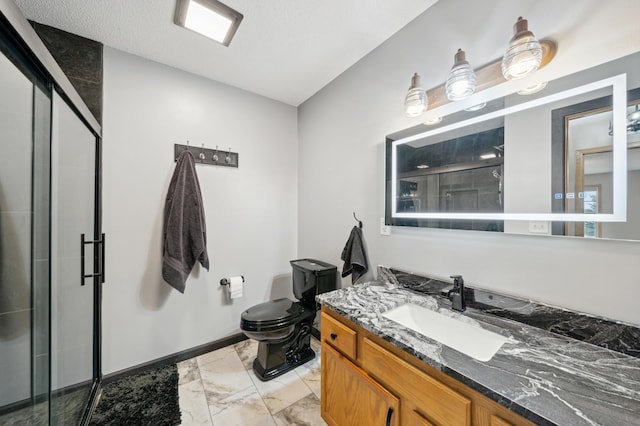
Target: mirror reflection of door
[
  {"x": 588, "y": 172},
  {"x": 595, "y": 182},
  {"x": 594, "y": 186}
]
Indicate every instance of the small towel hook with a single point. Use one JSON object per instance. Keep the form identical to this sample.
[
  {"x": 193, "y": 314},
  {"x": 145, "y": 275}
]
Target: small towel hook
[
  {"x": 215, "y": 156},
  {"x": 357, "y": 220},
  {"x": 202, "y": 156},
  {"x": 227, "y": 159}
]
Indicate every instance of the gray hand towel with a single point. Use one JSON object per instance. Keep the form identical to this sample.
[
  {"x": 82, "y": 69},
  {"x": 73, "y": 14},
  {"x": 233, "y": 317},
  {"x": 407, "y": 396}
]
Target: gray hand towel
[
  {"x": 354, "y": 256},
  {"x": 185, "y": 233}
]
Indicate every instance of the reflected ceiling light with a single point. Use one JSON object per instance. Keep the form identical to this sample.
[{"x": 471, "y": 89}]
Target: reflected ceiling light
[
  {"x": 422, "y": 166},
  {"x": 432, "y": 121},
  {"x": 461, "y": 82},
  {"x": 488, "y": 156},
  {"x": 415, "y": 103},
  {"x": 476, "y": 107},
  {"x": 524, "y": 54},
  {"x": 533, "y": 89},
  {"x": 209, "y": 18},
  {"x": 635, "y": 115}
]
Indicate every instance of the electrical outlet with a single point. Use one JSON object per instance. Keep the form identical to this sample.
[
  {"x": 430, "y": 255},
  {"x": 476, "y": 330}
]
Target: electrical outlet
[
  {"x": 384, "y": 229},
  {"x": 538, "y": 226}
]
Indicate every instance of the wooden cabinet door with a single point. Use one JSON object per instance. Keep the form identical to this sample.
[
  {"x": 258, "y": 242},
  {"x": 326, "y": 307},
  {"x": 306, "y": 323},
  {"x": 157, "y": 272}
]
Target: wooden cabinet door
[
  {"x": 352, "y": 398},
  {"x": 442, "y": 405}
]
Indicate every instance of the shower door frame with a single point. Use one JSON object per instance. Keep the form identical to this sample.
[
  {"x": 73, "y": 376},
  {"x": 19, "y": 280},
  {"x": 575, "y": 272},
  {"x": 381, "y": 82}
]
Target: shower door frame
[{"x": 23, "y": 39}]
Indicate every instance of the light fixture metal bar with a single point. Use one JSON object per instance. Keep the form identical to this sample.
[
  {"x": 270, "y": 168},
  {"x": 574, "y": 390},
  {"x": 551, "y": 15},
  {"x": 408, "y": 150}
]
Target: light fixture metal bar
[{"x": 489, "y": 75}]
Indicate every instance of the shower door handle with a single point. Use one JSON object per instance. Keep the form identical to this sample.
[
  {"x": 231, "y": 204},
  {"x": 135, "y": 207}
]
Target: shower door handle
[{"x": 101, "y": 246}]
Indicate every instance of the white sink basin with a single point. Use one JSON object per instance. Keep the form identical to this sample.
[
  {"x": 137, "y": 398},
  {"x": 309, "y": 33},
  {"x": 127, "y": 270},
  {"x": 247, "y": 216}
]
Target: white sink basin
[{"x": 470, "y": 339}]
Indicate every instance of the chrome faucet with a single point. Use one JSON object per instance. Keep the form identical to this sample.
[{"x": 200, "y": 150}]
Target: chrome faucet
[{"x": 456, "y": 294}]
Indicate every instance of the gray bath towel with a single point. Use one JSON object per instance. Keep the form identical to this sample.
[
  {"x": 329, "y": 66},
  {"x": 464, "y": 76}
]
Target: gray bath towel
[
  {"x": 354, "y": 256},
  {"x": 185, "y": 233}
]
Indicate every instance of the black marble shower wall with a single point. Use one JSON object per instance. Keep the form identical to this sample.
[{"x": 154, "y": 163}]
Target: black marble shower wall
[{"x": 81, "y": 61}]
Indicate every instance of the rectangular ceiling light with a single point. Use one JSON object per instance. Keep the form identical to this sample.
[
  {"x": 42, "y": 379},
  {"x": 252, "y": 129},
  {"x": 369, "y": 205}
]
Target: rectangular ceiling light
[{"x": 208, "y": 17}]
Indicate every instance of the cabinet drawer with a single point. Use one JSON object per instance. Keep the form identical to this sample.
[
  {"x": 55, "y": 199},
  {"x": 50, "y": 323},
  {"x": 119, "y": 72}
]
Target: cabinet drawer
[
  {"x": 442, "y": 405},
  {"x": 339, "y": 335}
]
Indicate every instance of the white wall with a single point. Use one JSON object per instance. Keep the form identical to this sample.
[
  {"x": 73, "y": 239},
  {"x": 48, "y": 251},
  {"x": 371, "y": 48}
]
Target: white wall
[
  {"x": 341, "y": 160},
  {"x": 250, "y": 211}
]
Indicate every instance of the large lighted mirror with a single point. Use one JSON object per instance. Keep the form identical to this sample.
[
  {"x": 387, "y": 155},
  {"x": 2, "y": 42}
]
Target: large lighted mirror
[{"x": 557, "y": 162}]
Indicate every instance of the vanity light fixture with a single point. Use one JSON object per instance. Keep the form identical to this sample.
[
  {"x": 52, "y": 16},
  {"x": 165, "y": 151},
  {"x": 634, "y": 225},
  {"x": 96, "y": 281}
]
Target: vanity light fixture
[
  {"x": 461, "y": 82},
  {"x": 422, "y": 166},
  {"x": 209, "y": 18},
  {"x": 415, "y": 103},
  {"x": 524, "y": 54}
]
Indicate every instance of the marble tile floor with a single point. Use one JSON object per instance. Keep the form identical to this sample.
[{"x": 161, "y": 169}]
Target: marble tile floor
[{"x": 220, "y": 388}]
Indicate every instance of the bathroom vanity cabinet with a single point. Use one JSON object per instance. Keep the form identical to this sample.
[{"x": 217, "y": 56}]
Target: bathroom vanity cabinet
[{"x": 368, "y": 381}]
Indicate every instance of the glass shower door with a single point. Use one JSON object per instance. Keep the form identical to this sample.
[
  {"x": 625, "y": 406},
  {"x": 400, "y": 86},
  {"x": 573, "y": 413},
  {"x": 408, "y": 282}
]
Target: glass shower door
[
  {"x": 49, "y": 200},
  {"x": 25, "y": 119},
  {"x": 73, "y": 206}
]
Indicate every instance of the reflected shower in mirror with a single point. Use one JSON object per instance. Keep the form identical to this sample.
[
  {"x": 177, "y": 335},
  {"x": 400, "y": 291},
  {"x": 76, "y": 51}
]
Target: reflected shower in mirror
[{"x": 461, "y": 174}]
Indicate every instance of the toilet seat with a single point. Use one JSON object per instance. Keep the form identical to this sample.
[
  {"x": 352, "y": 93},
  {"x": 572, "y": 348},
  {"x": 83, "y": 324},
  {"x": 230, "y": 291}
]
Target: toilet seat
[{"x": 274, "y": 315}]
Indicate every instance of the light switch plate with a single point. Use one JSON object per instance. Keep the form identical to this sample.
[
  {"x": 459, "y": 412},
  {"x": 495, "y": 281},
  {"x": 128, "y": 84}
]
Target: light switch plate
[{"x": 538, "y": 227}]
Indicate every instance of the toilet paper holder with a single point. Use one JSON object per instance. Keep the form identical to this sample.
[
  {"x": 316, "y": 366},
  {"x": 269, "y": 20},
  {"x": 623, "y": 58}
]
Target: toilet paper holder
[{"x": 225, "y": 281}]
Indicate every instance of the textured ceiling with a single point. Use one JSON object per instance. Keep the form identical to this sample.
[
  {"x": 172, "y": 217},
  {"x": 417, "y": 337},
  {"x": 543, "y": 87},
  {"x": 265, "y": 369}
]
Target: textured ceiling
[{"x": 284, "y": 49}]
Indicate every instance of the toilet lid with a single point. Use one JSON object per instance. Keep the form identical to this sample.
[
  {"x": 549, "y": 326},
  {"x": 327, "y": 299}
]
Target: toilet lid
[{"x": 273, "y": 314}]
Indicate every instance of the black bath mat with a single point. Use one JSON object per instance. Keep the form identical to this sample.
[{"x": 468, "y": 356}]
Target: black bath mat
[{"x": 147, "y": 398}]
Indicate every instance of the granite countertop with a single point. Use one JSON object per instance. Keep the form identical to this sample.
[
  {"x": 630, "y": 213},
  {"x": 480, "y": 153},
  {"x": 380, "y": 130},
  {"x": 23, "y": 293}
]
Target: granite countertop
[{"x": 546, "y": 377}]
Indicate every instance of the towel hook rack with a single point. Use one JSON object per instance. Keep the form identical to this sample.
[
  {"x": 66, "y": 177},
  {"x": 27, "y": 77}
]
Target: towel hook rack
[
  {"x": 203, "y": 155},
  {"x": 357, "y": 220}
]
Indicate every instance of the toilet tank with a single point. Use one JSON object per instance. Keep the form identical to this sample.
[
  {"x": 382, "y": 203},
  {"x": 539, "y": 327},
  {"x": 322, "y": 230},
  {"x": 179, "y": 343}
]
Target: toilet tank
[{"x": 311, "y": 277}]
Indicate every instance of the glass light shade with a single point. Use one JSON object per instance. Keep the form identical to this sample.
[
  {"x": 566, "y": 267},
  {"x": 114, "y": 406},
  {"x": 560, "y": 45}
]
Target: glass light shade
[
  {"x": 415, "y": 103},
  {"x": 461, "y": 82},
  {"x": 524, "y": 54}
]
